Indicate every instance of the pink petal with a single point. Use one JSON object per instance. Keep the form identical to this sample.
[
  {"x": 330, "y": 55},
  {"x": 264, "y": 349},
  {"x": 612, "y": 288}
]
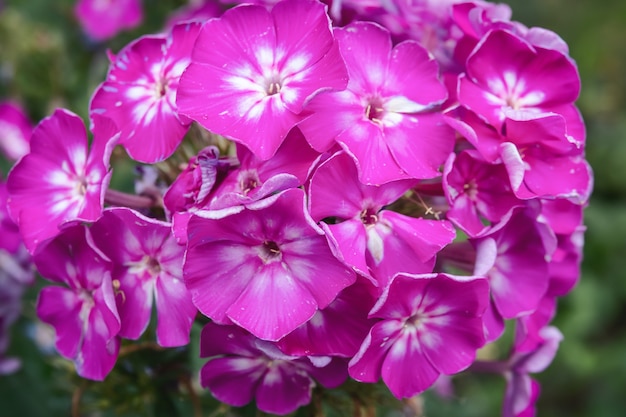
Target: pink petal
[
  {"x": 233, "y": 380},
  {"x": 284, "y": 389},
  {"x": 286, "y": 305},
  {"x": 406, "y": 381},
  {"x": 60, "y": 307}
]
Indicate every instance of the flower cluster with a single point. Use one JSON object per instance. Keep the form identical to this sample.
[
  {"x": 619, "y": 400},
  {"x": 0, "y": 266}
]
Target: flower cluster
[{"x": 361, "y": 189}]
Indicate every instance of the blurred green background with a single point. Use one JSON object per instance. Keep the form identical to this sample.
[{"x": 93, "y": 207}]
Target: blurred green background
[{"x": 45, "y": 62}]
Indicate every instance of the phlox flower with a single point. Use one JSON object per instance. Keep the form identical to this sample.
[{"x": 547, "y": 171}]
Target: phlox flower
[
  {"x": 191, "y": 190},
  {"x": 255, "y": 178},
  {"x": 103, "y": 19},
  {"x": 60, "y": 179},
  {"x": 252, "y": 70},
  {"x": 242, "y": 368},
  {"x": 384, "y": 118},
  {"x": 429, "y": 325},
  {"x": 513, "y": 256},
  {"x": 475, "y": 19},
  {"x": 82, "y": 310},
  {"x": 147, "y": 265},
  {"x": 377, "y": 243},
  {"x": 139, "y": 94},
  {"x": 476, "y": 190},
  {"x": 505, "y": 72},
  {"x": 541, "y": 158},
  {"x": 522, "y": 391},
  {"x": 15, "y": 130},
  {"x": 267, "y": 269}
]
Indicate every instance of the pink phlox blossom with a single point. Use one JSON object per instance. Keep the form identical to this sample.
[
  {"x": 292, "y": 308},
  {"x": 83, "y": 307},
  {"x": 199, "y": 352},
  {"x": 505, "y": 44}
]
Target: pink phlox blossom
[
  {"x": 377, "y": 243},
  {"x": 541, "y": 158},
  {"x": 61, "y": 179},
  {"x": 103, "y": 19},
  {"x": 476, "y": 19},
  {"x": 476, "y": 191},
  {"x": 522, "y": 391},
  {"x": 191, "y": 190},
  {"x": 385, "y": 118},
  {"x": 242, "y": 367},
  {"x": 267, "y": 268},
  {"x": 15, "y": 130},
  {"x": 505, "y": 72},
  {"x": 255, "y": 178},
  {"x": 147, "y": 267},
  {"x": 139, "y": 93},
  {"x": 338, "y": 329},
  {"x": 253, "y": 70},
  {"x": 513, "y": 256},
  {"x": 82, "y": 310},
  {"x": 432, "y": 322}
]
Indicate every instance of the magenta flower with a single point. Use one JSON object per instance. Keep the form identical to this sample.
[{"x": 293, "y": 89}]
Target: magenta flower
[
  {"x": 505, "y": 72},
  {"x": 540, "y": 156},
  {"x": 103, "y": 19},
  {"x": 83, "y": 311},
  {"x": 375, "y": 242},
  {"x": 267, "y": 268},
  {"x": 384, "y": 118},
  {"x": 15, "y": 131},
  {"x": 255, "y": 178},
  {"x": 476, "y": 191},
  {"x": 429, "y": 325},
  {"x": 147, "y": 265},
  {"x": 242, "y": 367},
  {"x": 60, "y": 179},
  {"x": 514, "y": 257},
  {"x": 139, "y": 94},
  {"x": 522, "y": 391},
  {"x": 252, "y": 71}
]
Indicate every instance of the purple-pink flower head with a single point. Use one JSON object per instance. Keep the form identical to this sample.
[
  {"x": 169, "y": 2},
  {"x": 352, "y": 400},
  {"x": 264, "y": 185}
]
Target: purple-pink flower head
[
  {"x": 103, "y": 19},
  {"x": 252, "y": 71},
  {"x": 242, "y": 368},
  {"x": 429, "y": 325},
  {"x": 147, "y": 265},
  {"x": 139, "y": 94},
  {"x": 82, "y": 311},
  {"x": 384, "y": 119},
  {"x": 60, "y": 179},
  {"x": 268, "y": 268}
]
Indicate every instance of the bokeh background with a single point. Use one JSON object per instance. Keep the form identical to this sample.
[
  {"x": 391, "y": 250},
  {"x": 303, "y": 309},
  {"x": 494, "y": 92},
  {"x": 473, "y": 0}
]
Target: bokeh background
[{"x": 46, "y": 62}]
